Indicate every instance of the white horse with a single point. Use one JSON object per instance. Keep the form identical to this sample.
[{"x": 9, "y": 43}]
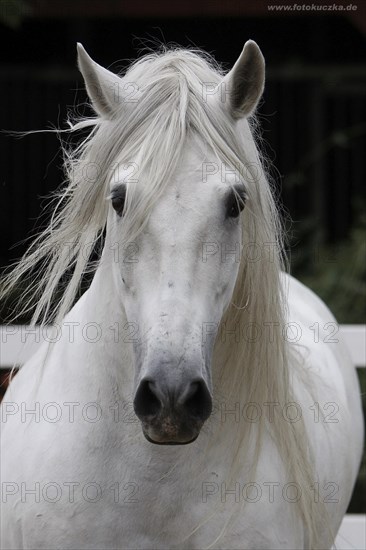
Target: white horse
[{"x": 195, "y": 396}]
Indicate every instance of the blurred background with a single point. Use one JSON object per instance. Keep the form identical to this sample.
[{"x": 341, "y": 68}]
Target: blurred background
[{"x": 313, "y": 116}]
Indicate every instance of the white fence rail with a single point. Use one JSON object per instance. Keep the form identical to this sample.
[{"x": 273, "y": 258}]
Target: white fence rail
[
  {"x": 18, "y": 343},
  {"x": 352, "y": 533}
]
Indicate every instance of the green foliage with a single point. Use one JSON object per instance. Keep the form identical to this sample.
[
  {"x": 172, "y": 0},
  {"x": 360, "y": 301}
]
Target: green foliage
[
  {"x": 12, "y": 12},
  {"x": 337, "y": 273}
]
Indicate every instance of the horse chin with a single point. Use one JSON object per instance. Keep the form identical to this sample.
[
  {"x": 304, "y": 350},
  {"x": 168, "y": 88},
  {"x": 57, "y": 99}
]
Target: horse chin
[{"x": 167, "y": 442}]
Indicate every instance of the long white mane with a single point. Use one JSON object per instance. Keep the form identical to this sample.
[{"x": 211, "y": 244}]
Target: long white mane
[{"x": 172, "y": 109}]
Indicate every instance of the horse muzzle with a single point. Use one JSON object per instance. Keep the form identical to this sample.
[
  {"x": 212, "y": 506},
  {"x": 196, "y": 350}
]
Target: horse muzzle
[{"x": 172, "y": 414}]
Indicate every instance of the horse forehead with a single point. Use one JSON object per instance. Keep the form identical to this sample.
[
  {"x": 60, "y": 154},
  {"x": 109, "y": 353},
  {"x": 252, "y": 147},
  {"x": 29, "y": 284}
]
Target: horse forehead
[
  {"x": 189, "y": 207},
  {"x": 198, "y": 177}
]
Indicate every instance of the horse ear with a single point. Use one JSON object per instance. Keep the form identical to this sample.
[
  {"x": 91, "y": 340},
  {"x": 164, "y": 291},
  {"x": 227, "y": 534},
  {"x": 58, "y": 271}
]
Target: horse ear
[
  {"x": 102, "y": 85},
  {"x": 244, "y": 84}
]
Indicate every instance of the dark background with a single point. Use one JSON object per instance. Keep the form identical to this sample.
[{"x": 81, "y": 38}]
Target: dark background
[{"x": 313, "y": 114}]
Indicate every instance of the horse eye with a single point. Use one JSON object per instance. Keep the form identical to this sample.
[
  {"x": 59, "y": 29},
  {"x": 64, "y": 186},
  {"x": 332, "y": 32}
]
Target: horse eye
[
  {"x": 118, "y": 200},
  {"x": 235, "y": 204}
]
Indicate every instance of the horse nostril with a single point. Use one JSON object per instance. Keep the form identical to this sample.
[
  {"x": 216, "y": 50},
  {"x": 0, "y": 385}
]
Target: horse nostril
[
  {"x": 198, "y": 401},
  {"x": 146, "y": 402},
  {"x": 194, "y": 401}
]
